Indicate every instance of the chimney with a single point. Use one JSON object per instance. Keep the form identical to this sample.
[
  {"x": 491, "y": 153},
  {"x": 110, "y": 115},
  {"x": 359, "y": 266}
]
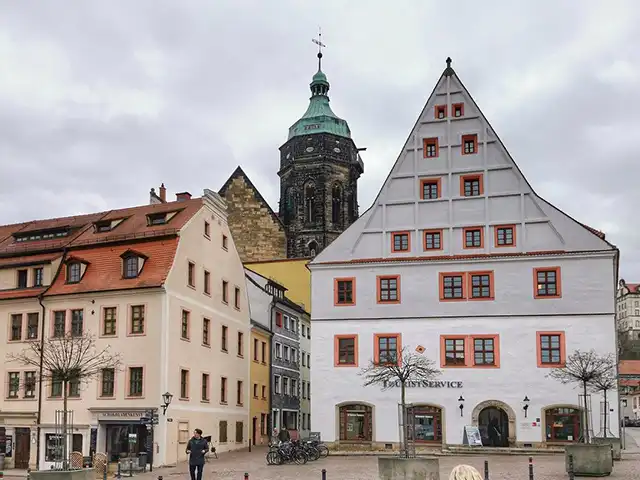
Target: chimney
[
  {"x": 163, "y": 193},
  {"x": 181, "y": 197}
]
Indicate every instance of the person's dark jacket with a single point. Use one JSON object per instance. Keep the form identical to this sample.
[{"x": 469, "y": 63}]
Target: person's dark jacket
[
  {"x": 284, "y": 435},
  {"x": 197, "y": 447}
]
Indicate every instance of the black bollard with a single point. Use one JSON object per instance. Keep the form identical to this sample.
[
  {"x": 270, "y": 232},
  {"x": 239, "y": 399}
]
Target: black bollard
[
  {"x": 571, "y": 475},
  {"x": 613, "y": 462},
  {"x": 130, "y": 467},
  {"x": 486, "y": 470},
  {"x": 324, "y": 474},
  {"x": 104, "y": 473},
  {"x": 530, "y": 468},
  {"x": 119, "y": 474}
]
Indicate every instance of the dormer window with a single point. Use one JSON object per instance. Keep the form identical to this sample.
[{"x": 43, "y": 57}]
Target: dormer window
[
  {"x": 103, "y": 227},
  {"x": 157, "y": 218},
  {"x": 41, "y": 235},
  {"x": 131, "y": 267},
  {"x": 74, "y": 272},
  {"x": 132, "y": 263}
]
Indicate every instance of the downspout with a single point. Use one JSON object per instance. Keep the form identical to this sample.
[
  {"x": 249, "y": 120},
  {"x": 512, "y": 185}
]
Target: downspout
[
  {"x": 621, "y": 426},
  {"x": 271, "y": 382},
  {"x": 41, "y": 366}
]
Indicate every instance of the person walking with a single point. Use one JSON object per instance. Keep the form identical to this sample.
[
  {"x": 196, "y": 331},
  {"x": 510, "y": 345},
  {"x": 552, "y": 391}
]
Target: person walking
[{"x": 196, "y": 448}]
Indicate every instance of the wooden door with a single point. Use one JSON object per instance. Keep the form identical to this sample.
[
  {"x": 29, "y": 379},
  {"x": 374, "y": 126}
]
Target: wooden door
[{"x": 22, "y": 448}]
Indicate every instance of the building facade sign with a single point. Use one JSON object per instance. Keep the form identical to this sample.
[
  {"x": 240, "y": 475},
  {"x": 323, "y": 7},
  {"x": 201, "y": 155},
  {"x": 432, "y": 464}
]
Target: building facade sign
[
  {"x": 123, "y": 414},
  {"x": 423, "y": 384}
]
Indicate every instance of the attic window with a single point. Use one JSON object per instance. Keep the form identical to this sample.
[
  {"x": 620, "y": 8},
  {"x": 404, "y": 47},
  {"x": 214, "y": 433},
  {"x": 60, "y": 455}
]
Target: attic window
[
  {"x": 74, "y": 272},
  {"x": 43, "y": 235},
  {"x": 157, "y": 218},
  {"x": 458, "y": 109},
  {"x": 441, "y": 111},
  {"x": 103, "y": 226},
  {"x": 130, "y": 267}
]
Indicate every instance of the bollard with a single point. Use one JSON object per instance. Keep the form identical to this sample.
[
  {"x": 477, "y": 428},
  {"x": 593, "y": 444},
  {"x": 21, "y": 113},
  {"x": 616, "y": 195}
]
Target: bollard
[
  {"x": 28, "y": 473},
  {"x": 324, "y": 474},
  {"x": 246, "y": 476},
  {"x": 571, "y": 475},
  {"x": 104, "y": 473},
  {"x": 119, "y": 473},
  {"x": 486, "y": 470},
  {"x": 530, "y": 468},
  {"x": 159, "y": 477},
  {"x": 613, "y": 462}
]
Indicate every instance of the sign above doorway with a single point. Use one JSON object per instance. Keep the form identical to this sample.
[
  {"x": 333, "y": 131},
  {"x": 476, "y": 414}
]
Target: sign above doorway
[{"x": 423, "y": 384}]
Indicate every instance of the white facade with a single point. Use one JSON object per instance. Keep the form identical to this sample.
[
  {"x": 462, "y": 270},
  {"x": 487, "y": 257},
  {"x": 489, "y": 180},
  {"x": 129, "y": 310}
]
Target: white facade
[
  {"x": 456, "y": 208},
  {"x": 628, "y": 309}
]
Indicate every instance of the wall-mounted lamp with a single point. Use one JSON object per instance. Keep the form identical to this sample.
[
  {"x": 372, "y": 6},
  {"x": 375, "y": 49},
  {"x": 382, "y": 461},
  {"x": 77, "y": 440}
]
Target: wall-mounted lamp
[
  {"x": 166, "y": 401},
  {"x": 461, "y": 400},
  {"x": 525, "y": 407},
  {"x": 624, "y": 402}
]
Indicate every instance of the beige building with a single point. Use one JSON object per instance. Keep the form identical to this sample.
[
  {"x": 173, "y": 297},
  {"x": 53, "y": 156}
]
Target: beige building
[{"x": 161, "y": 284}]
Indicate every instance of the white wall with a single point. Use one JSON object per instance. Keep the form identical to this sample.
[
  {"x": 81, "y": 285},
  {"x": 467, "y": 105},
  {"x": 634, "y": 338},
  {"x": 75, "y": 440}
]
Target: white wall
[{"x": 517, "y": 376}]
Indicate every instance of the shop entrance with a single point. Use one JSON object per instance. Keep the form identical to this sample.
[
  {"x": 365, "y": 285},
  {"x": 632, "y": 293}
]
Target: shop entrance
[
  {"x": 493, "y": 423},
  {"x": 125, "y": 441}
]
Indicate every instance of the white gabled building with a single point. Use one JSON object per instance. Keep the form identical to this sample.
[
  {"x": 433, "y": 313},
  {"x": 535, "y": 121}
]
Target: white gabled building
[{"x": 460, "y": 257}]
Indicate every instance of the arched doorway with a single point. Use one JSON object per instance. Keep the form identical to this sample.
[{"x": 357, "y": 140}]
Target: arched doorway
[
  {"x": 493, "y": 423},
  {"x": 356, "y": 422},
  {"x": 562, "y": 423},
  {"x": 427, "y": 423},
  {"x": 508, "y": 434}
]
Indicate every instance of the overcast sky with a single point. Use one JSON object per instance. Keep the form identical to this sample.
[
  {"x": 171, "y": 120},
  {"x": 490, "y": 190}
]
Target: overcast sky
[{"x": 102, "y": 100}]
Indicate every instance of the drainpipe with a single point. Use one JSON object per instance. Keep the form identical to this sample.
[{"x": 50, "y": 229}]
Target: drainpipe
[
  {"x": 39, "y": 416},
  {"x": 271, "y": 305},
  {"x": 41, "y": 366}
]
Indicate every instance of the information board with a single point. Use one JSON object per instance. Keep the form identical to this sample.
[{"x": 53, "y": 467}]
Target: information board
[{"x": 472, "y": 436}]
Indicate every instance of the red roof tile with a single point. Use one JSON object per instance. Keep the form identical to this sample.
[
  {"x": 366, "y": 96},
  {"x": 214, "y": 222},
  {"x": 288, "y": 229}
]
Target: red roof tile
[
  {"x": 629, "y": 367},
  {"x": 104, "y": 270},
  {"x": 21, "y": 293},
  {"x": 39, "y": 258}
]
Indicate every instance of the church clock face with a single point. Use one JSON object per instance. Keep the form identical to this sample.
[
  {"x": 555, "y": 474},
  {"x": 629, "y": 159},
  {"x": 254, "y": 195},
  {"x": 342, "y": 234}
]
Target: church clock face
[
  {"x": 309, "y": 149},
  {"x": 337, "y": 150}
]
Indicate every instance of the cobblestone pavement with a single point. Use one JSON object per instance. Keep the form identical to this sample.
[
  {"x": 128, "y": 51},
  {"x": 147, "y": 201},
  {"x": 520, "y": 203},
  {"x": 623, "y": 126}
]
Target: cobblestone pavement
[{"x": 232, "y": 466}]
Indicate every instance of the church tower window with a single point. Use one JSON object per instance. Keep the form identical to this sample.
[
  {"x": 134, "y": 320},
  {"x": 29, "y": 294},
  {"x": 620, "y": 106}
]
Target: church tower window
[
  {"x": 310, "y": 203},
  {"x": 336, "y": 205}
]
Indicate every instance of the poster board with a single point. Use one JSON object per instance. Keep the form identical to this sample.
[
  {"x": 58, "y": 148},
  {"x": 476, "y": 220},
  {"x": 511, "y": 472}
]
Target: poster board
[
  {"x": 471, "y": 436},
  {"x": 314, "y": 436}
]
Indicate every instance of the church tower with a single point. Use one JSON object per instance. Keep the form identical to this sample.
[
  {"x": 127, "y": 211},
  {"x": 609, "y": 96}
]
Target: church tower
[{"x": 319, "y": 170}]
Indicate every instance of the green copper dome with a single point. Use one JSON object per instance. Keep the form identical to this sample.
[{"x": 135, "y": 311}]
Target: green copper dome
[{"x": 319, "y": 118}]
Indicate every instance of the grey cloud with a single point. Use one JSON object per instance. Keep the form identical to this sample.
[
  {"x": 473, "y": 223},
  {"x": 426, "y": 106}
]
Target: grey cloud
[{"x": 103, "y": 100}]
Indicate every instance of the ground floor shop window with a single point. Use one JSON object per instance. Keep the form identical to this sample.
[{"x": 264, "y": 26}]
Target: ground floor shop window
[
  {"x": 289, "y": 420},
  {"x": 427, "y": 423},
  {"x": 562, "y": 424},
  {"x": 126, "y": 441},
  {"x": 356, "y": 423}
]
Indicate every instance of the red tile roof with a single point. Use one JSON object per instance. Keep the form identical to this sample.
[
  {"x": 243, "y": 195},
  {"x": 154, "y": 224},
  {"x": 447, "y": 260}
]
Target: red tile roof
[
  {"x": 101, "y": 250},
  {"x": 104, "y": 270},
  {"x": 629, "y": 367}
]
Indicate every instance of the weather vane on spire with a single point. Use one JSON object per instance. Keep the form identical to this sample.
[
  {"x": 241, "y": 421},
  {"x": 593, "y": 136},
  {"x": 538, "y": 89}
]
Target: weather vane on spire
[{"x": 320, "y": 45}]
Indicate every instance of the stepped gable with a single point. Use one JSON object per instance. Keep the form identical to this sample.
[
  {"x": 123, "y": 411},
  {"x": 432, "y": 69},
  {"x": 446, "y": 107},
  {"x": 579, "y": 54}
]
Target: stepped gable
[{"x": 455, "y": 177}]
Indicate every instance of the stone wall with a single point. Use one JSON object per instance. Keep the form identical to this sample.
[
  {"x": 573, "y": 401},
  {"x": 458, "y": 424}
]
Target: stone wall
[{"x": 258, "y": 236}]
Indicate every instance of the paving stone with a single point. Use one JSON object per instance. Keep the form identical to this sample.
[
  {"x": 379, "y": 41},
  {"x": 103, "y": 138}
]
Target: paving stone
[{"x": 232, "y": 466}]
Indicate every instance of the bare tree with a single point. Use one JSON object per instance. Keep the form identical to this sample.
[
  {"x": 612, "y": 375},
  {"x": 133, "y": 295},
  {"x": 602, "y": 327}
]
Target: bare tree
[
  {"x": 397, "y": 371},
  {"x": 65, "y": 361},
  {"x": 584, "y": 368},
  {"x": 604, "y": 383}
]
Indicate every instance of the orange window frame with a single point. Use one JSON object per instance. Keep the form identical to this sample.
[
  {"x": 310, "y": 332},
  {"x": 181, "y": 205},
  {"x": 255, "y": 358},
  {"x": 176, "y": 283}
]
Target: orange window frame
[
  {"x": 496, "y": 228},
  {"x": 336, "y": 282},
  {"x": 472, "y": 176},
  {"x": 496, "y": 350},
  {"x": 464, "y": 237},
  {"x": 437, "y": 109},
  {"x": 376, "y": 345},
  {"x": 563, "y": 350},
  {"x": 453, "y": 109},
  {"x": 336, "y": 350},
  {"x": 466, "y": 138},
  {"x": 379, "y": 279},
  {"x": 393, "y": 241},
  {"x": 443, "y": 350},
  {"x": 430, "y": 181},
  {"x": 558, "y": 273},
  {"x": 464, "y": 286},
  {"x": 470, "y": 276},
  {"x": 424, "y": 239},
  {"x": 430, "y": 141}
]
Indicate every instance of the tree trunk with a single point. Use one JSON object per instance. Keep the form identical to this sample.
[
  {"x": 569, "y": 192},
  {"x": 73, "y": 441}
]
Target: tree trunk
[
  {"x": 403, "y": 403},
  {"x": 606, "y": 412},
  {"x": 65, "y": 440},
  {"x": 586, "y": 414}
]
